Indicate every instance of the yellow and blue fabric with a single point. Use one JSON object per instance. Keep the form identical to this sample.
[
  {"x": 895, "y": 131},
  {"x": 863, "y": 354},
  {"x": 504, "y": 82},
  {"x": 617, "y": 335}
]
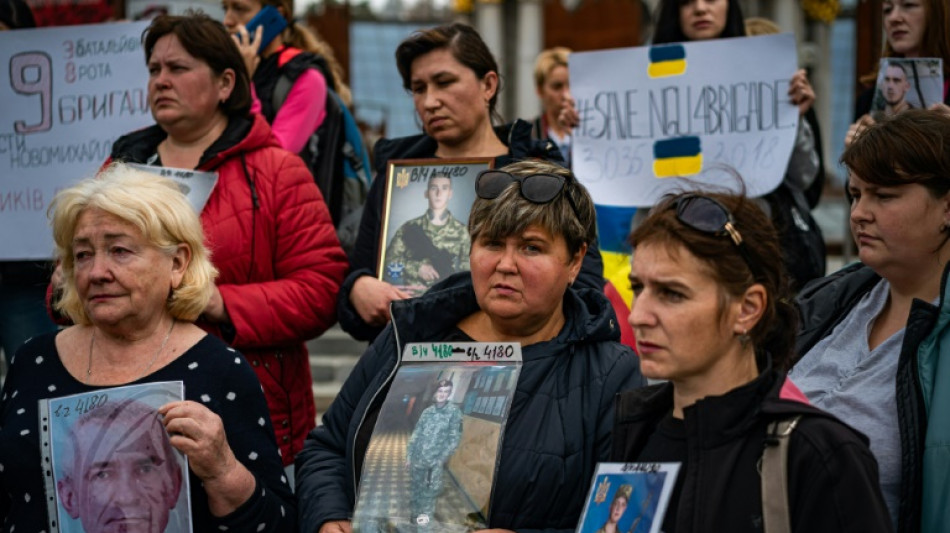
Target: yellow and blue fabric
[
  {"x": 667, "y": 60},
  {"x": 613, "y": 228},
  {"x": 679, "y": 156}
]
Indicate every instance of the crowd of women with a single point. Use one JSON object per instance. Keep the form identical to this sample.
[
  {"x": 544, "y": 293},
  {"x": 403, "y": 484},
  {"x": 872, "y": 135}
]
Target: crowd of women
[{"x": 847, "y": 372}]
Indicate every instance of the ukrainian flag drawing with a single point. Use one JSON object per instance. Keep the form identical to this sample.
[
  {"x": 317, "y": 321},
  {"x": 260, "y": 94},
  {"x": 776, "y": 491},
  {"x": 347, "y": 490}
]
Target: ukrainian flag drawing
[
  {"x": 667, "y": 60},
  {"x": 680, "y": 156}
]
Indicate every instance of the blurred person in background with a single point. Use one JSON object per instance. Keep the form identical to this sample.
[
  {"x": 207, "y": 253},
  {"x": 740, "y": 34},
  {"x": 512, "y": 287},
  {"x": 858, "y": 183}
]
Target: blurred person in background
[{"x": 553, "y": 86}]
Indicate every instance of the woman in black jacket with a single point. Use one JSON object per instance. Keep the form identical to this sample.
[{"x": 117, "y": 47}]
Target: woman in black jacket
[
  {"x": 454, "y": 83},
  {"x": 711, "y": 316}
]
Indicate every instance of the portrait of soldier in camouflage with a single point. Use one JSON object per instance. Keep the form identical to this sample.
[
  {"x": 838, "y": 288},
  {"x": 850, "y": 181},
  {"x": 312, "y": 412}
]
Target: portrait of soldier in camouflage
[
  {"x": 430, "y": 247},
  {"x": 432, "y": 443}
]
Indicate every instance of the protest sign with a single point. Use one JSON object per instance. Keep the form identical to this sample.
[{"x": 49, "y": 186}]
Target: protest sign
[
  {"x": 683, "y": 116},
  {"x": 68, "y": 93}
]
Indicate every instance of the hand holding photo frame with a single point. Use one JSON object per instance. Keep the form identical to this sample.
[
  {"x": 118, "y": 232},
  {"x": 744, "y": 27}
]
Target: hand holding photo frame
[{"x": 425, "y": 220}]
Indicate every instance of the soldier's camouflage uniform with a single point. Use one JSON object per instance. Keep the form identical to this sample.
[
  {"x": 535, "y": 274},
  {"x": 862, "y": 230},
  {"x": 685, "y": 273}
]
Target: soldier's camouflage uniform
[
  {"x": 433, "y": 441},
  {"x": 408, "y": 251}
]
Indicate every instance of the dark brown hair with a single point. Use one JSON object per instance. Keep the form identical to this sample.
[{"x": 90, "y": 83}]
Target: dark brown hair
[
  {"x": 935, "y": 41},
  {"x": 775, "y": 331},
  {"x": 205, "y": 39},
  {"x": 910, "y": 147},
  {"x": 463, "y": 41}
]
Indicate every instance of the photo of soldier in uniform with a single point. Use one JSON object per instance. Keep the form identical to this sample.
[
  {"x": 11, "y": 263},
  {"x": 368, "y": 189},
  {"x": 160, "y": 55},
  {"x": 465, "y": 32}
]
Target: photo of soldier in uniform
[
  {"x": 432, "y": 443},
  {"x": 907, "y": 84},
  {"x": 628, "y": 498},
  {"x": 429, "y": 247}
]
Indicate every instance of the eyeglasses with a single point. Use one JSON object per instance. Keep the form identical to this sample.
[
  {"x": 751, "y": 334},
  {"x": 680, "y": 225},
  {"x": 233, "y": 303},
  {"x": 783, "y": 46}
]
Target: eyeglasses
[
  {"x": 709, "y": 216},
  {"x": 536, "y": 188}
]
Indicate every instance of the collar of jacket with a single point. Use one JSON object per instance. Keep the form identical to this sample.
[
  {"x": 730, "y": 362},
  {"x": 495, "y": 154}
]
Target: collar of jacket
[
  {"x": 241, "y": 134},
  {"x": 587, "y": 313},
  {"x": 515, "y": 135},
  {"x": 715, "y": 420}
]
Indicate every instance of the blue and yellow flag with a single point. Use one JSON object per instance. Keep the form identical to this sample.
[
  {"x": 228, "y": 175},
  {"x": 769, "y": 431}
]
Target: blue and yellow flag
[
  {"x": 613, "y": 228},
  {"x": 667, "y": 60},
  {"x": 680, "y": 156}
]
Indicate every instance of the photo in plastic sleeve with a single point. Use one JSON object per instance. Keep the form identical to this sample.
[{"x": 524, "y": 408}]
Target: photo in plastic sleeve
[
  {"x": 113, "y": 467},
  {"x": 431, "y": 461},
  {"x": 904, "y": 83},
  {"x": 425, "y": 220},
  {"x": 630, "y": 497}
]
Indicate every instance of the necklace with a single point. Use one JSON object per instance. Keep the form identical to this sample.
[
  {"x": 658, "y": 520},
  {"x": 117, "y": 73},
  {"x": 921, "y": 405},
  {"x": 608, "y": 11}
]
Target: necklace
[{"x": 92, "y": 344}]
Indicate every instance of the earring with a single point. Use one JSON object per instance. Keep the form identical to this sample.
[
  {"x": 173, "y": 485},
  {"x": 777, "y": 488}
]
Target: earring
[{"x": 744, "y": 338}]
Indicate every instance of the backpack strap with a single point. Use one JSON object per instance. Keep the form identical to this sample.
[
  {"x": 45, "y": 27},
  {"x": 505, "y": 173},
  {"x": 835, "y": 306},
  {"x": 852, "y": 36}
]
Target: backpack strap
[{"x": 775, "y": 513}]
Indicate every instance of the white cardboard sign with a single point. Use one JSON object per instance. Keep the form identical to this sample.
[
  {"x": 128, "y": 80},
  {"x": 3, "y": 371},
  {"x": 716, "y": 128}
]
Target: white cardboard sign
[
  {"x": 66, "y": 94},
  {"x": 683, "y": 116}
]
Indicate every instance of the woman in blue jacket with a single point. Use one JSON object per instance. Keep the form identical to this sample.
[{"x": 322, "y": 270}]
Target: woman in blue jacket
[{"x": 527, "y": 249}]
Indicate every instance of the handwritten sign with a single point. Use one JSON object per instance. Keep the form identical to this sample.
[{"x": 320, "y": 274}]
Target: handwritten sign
[
  {"x": 494, "y": 352},
  {"x": 68, "y": 93},
  {"x": 196, "y": 185},
  {"x": 683, "y": 116}
]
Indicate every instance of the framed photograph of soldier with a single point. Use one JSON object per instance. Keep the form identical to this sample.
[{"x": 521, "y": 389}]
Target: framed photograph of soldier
[
  {"x": 907, "y": 83},
  {"x": 112, "y": 464},
  {"x": 630, "y": 497},
  {"x": 424, "y": 237},
  {"x": 432, "y": 458}
]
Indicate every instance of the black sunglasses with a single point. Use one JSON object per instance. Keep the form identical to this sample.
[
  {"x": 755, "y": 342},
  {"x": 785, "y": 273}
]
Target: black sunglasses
[
  {"x": 709, "y": 216},
  {"x": 536, "y": 188}
]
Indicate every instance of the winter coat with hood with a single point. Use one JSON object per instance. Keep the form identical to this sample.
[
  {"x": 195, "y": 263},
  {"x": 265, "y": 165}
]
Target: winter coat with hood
[
  {"x": 516, "y": 136},
  {"x": 558, "y": 427},
  {"x": 280, "y": 263},
  {"x": 832, "y": 475},
  {"x": 922, "y": 384}
]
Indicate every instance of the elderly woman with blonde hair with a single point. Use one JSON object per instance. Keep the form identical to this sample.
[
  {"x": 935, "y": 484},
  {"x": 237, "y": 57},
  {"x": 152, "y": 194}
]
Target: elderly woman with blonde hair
[{"x": 136, "y": 275}]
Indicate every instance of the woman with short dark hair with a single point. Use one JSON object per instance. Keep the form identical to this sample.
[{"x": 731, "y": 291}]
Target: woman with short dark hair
[{"x": 530, "y": 228}]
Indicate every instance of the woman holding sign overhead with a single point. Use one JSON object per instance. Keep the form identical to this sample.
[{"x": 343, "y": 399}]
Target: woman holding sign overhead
[
  {"x": 530, "y": 228},
  {"x": 712, "y": 316},
  {"x": 454, "y": 83},
  {"x": 267, "y": 225}
]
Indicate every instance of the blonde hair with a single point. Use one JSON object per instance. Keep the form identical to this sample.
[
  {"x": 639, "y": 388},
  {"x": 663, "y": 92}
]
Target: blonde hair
[
  {"x": 761, "y": 26},
  {"x": 157, "y": 208},
  {"x": 547, "y": 61}
]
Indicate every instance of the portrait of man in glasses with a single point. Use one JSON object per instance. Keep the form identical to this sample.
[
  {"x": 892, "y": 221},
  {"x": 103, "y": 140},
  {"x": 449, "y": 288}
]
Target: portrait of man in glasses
[
  {"x": 430, "y": 247},
  {"x": 121, "y": 474}
]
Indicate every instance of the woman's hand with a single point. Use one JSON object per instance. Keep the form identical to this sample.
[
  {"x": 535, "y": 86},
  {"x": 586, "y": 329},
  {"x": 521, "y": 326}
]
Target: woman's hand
[
  {"x": 216, "y": 311},
  {"x": 199, "y": 433},
  {"x": 248, "y": 45},
  {"x": 371, "y": 298},
  {"x": 801, "y": 92},
  {"x": 857, "y": 128},
  {"x": 940, "y": 107},
  {"x": 568, "y": 118},
  {"x": 337, "y": 526}
]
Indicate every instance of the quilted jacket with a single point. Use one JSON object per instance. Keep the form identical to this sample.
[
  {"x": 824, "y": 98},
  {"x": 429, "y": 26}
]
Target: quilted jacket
[{"x": 280, "y": 263}]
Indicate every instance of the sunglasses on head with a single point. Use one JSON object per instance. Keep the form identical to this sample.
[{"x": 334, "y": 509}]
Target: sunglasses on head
[
  {"x": 711, "y": 217},
  {"x": 537, "y": 188}
]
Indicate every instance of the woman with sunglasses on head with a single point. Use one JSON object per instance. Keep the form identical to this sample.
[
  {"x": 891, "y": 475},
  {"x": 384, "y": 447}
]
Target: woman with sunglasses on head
[
  {"x": 912, "y": 28},
  {"x": 530, "y": 227},
  {"x": 873, "y": 332},
  {"x": 711, "y": 316},
  {"x": 454, "y": 82}
]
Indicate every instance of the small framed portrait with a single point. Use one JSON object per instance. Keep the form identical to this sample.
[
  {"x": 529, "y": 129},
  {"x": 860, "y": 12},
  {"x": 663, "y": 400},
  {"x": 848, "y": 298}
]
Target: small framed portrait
[
  {"x": 425, "y": 220},
  {"x": 907, "y": 83},
  {"x": 630, "y": 497}
]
